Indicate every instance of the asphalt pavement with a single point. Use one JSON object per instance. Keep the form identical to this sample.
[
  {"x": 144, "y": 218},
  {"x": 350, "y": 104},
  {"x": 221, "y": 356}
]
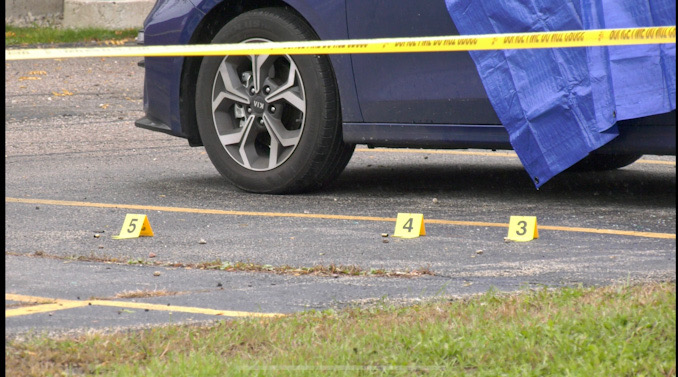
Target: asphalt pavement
[{"x": 75, "y": 166}]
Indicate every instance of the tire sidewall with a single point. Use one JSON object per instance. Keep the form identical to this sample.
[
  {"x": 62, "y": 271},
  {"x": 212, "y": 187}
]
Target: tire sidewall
[{"x": 262, "y": 24}]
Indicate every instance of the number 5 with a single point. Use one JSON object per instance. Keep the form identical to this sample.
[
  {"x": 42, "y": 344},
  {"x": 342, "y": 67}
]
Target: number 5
[{"x": 132, "y": 226}]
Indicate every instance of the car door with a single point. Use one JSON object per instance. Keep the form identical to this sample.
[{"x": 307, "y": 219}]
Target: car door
[{"x": 426, "y": 88}]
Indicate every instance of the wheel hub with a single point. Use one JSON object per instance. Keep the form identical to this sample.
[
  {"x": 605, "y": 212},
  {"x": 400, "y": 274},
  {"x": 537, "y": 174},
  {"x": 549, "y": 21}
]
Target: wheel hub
[{"x": 258, "y": 104}]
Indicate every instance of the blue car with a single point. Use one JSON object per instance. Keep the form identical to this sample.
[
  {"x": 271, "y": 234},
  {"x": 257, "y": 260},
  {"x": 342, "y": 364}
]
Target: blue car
[{"x": 289, "y": 123}]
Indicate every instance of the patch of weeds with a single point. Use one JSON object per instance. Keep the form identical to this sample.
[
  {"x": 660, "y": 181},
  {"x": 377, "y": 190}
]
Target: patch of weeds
[
  {"x": 139, "y": 261},
  {"x": 332, "y": 270},
  {"x": 146, "y": 293},
  {"x": 23, "y": 36}
]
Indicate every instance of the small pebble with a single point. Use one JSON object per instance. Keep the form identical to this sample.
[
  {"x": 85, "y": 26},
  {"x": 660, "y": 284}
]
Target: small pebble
[{"x": 156, "y": 273}]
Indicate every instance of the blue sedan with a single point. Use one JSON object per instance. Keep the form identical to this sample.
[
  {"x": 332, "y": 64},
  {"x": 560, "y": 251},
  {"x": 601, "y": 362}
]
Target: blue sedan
[{"x": 289, "y": 124}]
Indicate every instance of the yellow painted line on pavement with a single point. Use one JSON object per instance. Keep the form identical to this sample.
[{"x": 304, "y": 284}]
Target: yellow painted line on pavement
[
  {"x": 31, "y": 299},
  {"x": 328, "y": 216},
  {"x": 59, "y": 304},
  {"x": 183, "y": 309},
  {"x": 562, "y": 229},
  {"x": 490, "y": 154},
  {"x": 194, "y": 210},
  {"x": 45, "y": 308},
  {"x": 43, "y": 305}
]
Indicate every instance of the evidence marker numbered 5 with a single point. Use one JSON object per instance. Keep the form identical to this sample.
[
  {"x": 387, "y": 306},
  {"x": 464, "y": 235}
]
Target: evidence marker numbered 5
[{"x": 135, "y": 226}]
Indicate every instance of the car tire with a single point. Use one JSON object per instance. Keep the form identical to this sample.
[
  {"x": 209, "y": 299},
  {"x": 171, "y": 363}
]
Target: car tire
[
  {"x": 603, "y": 162},
  {"x": 271, "y": 124}
]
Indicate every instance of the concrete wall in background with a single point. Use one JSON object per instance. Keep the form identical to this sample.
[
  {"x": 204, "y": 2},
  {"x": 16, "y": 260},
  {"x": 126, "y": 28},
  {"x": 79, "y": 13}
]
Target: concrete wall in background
[
  {"x": 110, "y": 14},
  {"x": 118, "y": 14},
  {"x": 21, "y": 8}
]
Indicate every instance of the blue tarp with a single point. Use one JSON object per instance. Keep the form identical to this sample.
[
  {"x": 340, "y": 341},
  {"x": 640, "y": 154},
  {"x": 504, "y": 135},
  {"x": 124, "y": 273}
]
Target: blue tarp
[{"x": 560, "y": 104}]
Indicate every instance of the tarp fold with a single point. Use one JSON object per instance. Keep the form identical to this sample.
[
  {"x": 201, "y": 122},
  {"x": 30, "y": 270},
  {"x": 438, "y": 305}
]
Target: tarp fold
[{"x": 560, "y": 104}]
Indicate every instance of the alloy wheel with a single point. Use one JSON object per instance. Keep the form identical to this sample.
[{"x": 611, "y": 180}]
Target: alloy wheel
[{"x": 258, "y": 108}]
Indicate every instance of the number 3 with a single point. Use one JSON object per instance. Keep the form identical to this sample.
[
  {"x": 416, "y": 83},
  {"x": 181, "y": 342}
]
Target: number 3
[{"x": 523, "y": 228}]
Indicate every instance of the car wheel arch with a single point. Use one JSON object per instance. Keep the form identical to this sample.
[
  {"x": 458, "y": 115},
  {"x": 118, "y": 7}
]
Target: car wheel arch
[{"x": 218, "y": 16}]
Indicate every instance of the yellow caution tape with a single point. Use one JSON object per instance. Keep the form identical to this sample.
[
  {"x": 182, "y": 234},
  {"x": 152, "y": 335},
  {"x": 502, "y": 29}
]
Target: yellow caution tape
[{"x": 556, "y": 39}]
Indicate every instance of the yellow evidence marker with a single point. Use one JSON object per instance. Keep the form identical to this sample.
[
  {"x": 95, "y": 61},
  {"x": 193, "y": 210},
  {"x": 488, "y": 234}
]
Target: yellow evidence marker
[
  {"x": 522, "y": 228},
  {"x": 135, "y": 226},
  {"x": 409, "y": 225}
]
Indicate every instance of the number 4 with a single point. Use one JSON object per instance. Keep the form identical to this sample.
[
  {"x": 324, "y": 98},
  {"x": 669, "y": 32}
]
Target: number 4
[{"x": 409, "y": 225}]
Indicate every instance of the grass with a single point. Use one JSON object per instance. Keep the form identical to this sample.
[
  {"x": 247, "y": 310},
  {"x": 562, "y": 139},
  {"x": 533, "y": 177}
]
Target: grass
[
  {"x": 23, "y": 36},
  {"x": 624, "y": 330}
]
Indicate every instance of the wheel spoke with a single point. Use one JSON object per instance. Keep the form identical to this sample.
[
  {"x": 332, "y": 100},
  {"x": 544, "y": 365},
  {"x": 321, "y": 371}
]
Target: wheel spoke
[
  {"x": 286, "y": 138},
  {"x": 258, "y": 62},
  {"x": 233, "y": 89},
  {"x": 221, "y": 97},
  {"x": 237, "y": 136},
  {"x": 247, "y": 150},
  {"x": 288, "y": 92},
  {"x": 293, "y": 97},
  {"x": 273, "y": 153}
]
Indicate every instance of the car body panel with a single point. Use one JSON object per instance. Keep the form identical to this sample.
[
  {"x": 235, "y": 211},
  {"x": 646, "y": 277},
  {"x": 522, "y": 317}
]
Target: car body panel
[
  {"x": 169, "y": 22},
  {"x": 411, "y": 100},
  {"x": 421, "y": 88},
  {"x": 654, "y": 134},
  {"x": 445, "y": 136}
]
